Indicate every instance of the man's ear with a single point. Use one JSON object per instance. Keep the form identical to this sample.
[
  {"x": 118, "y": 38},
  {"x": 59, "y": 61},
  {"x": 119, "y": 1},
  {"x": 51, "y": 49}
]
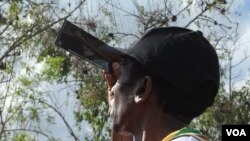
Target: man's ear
[{"x": 143, "y": 89}]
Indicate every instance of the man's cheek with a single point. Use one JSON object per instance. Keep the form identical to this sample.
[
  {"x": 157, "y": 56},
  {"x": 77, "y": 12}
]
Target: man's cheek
[{"x": 116, "y": 108}]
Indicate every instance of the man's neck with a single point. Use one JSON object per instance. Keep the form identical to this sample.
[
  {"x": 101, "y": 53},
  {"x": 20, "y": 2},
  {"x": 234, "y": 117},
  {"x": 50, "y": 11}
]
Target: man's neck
[{"x": 157, "y": 125}]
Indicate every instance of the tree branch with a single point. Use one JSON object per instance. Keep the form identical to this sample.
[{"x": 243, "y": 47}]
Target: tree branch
[
  {"x": 126, "y": 34},
  {"x": 201, "y": 13},
  {"x": 26, "y": 37},
  {"x": 28, "y": 130},
  {"x": 63, "y": 118}
]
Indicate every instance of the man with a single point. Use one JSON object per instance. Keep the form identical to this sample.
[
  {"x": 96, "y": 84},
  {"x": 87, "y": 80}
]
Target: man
[{"x": 169, "y": 77}]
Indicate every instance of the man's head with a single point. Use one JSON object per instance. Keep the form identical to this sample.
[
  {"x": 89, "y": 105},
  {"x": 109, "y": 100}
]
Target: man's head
[{"x": 176, "y": 67}]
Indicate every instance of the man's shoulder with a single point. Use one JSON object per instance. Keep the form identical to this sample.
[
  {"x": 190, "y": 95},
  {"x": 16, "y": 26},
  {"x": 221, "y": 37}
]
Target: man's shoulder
[
  {"x": 190, "y": 137},
  {"x": 186, "y": 134}
]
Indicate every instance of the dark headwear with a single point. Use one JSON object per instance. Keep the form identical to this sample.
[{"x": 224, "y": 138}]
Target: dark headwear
[{"x": 181, "y": 58}]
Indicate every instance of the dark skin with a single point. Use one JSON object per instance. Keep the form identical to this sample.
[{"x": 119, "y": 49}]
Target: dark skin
[{"x": 134, "y": 107}]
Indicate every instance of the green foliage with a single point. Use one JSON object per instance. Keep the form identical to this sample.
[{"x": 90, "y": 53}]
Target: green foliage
[
  {"x": 25, "y": 81},
  {"x": 23, "y": 137},
  {"x": 228, "y": 109},
  {"x": 92, "y": 97},
  {"x": 53, "y": 69},
  {"x": 34, "y": 115},
  {"x": 27, "y": 27}
]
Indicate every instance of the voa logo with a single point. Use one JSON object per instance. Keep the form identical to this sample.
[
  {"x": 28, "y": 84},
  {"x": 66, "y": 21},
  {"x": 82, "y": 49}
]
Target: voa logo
[{"x": 236, "y": 132}]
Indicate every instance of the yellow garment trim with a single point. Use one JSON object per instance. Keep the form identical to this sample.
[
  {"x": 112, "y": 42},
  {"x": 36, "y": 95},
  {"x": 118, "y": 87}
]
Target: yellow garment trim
[
  {"x": 174, "y": 135},
  {"x": 170, "y": 136}
]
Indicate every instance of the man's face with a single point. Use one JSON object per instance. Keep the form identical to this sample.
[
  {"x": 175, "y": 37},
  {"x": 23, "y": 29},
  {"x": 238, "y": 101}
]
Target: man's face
[{"x": 122, "y": 105}]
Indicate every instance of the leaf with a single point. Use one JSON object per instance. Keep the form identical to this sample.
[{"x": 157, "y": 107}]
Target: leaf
[{"x": 25, "y": 81}]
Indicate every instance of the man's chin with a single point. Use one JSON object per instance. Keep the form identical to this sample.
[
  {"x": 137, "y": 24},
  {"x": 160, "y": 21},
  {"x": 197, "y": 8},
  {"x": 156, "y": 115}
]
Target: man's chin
[{"x": 118, "y": 129}]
